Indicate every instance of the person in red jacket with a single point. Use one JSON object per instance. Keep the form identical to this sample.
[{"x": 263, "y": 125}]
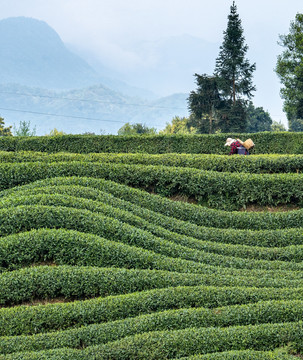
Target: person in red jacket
[{"x": 234, "y": 145}]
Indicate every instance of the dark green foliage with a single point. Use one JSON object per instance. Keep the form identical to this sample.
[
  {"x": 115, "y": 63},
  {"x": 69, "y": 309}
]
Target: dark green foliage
[
  {"x": 94, "y": 269},
  {"x": 153, "y": 252},
  {"x": 219, "y": 104},
  {"x": 233, "y": 71},
  {"x": 191, "y": 214},
  {"x": 290, "y": 71},
  {"x": 246, "y": 314},
  {"x": 234, "y": 76},
  {"x": 257, "y": 164},
  {"x": 258, "y": 119},
  {"x": 203, "y": 104},
  {"x": 67, "y": 354},
  {"x": 205, "y": 186},
  {"x": 233, "y": 116},
  {"x": 266, "y": 143},
  {"x": 156, "y": 247},
  {"x": 169, "y": 344},
  {"x": 279, "y": 354}
]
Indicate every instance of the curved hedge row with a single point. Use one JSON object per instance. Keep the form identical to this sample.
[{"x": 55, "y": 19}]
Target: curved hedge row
[
  {"x": 51, "y": 282},
  {"x": 84, "y": 336},
  {"x": 27, "y": 320},
  {"x": 169, "y": 344},
  {"x": 251, "y": 164},
  {"x": 243, "y": 355},
  {"x": 154, "y": 223},
  {"x": 159, "y": 253},
  {"x": 67, "y": 354},
  {"x": 184, "y": 211},
  {"x": 67, "y": 248},
  {"x": 266, "y": 142},
  {"x": 93, "y": 269},
  {"x": 172, "y": 245},
  {"x": 218, "y": 241},
  {"x": 223, "y": 190}
]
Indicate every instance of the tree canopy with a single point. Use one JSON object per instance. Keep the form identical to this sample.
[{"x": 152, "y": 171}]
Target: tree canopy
[
  {"x": 277, "y": 126},
  {"x": 258, "y": 119},
  {"x": 179, "y": 126},
  {"x": 220, "y": 102},
  {"x": 204, "y": 102},
  {"x": 233, "y": 70},
  {"x": 289, "y": 68},
  {"x": 4, "y": 131},
  {"x": 136, "y": 129}
]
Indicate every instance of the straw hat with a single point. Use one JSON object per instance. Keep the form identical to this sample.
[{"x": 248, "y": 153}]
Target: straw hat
[{"x": 229, "y": 141}]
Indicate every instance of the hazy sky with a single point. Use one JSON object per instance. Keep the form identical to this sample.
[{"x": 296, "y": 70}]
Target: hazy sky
[{"x": 111, "y": 26}]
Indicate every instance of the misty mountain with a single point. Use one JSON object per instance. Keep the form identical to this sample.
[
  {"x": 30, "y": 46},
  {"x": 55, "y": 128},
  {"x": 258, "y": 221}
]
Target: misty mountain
[
  {"x": 164, "y": 66},
  {"x": 33, "y": 54},
  {"x": 39, "y": 75},
  {"x": 110, "y": 77},
  {"x": 95, "y": 109}
]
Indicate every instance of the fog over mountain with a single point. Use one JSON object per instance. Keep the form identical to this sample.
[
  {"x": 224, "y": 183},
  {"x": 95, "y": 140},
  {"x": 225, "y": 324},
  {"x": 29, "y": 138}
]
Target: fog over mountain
[
  {"x": 41, "y": 75},
  {"x": 175, "y": 60},
  {"x": 161, "y": 66},
  {"x": 33, "y": 54}
]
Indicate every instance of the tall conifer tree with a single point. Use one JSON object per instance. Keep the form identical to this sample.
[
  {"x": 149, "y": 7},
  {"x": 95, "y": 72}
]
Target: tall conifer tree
[
  {"x": 221, "y": 99},
  {"x": 234, "y": 75},
  {"x": 232, "y": 68}
]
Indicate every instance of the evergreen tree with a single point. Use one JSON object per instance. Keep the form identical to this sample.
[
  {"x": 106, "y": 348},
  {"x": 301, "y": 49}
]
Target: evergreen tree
[
  {"x": 234, "y": 73},
  {"x": 204, "y": 102},
  {"x": 233, "y": 117},
  {"x": 232, "y": 68},
  {"x": 290, "y": 71}
]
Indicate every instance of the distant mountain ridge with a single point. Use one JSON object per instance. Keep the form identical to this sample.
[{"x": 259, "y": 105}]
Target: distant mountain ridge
[
  {"x": 93, "y": 109},
  {"x": 33, "y": 54},
  {"x": 39, "y": 75}
]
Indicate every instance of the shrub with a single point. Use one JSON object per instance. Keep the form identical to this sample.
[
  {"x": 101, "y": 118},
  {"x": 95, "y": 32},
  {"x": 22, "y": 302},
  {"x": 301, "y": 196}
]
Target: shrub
[
  {"x": 266, "y": 142},
  {"x": 205, "y": 186}
]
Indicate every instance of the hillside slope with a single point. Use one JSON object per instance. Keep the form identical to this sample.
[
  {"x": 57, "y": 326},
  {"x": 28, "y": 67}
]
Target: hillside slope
[
  {"x": 92, "y": 268},
  {"x": 33, "y": 54},
  {"x": 40, "y": 76}
]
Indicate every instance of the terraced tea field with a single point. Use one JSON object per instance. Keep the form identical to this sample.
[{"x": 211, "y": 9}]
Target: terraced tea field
[{"x": 97, "y": 261}]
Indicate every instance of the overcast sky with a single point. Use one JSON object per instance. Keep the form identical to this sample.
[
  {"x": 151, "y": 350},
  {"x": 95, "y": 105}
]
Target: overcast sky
[{"x": 112, "y": 25}]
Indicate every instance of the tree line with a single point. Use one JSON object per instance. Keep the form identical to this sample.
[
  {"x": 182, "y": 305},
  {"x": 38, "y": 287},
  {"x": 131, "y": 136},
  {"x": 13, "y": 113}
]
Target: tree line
[{"x": 222, "y": 101}]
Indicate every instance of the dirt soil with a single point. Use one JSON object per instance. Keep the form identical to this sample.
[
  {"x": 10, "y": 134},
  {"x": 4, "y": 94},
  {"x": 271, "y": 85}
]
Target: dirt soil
[{"x": 249, "y": 208}]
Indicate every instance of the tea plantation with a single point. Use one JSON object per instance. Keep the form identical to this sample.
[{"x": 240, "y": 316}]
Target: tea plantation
[{"x": 99, "y": 261}]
